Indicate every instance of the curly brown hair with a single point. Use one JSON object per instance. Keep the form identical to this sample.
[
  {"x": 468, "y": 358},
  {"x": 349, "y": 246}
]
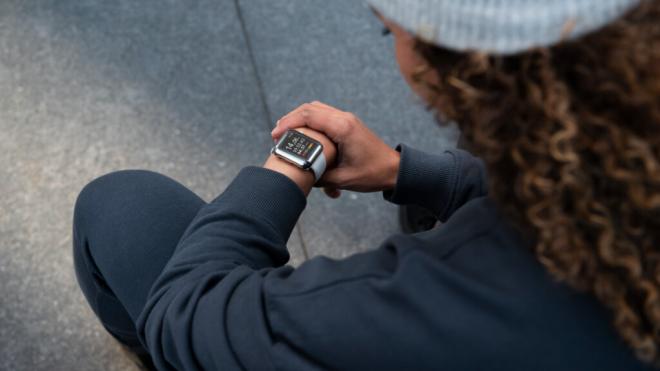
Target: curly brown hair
[{"x": 571, "y": 138}]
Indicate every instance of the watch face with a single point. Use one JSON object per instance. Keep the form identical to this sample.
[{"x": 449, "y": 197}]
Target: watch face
[{"x": 299, "y": 145}]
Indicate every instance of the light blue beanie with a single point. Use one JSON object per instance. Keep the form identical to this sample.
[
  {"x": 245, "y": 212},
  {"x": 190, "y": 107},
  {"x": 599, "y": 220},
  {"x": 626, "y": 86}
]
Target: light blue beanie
[{"x": 500, "y": 26}]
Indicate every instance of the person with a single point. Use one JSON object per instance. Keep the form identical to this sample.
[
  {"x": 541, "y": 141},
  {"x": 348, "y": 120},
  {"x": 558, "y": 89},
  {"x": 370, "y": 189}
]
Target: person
[{"x": 549, "y": 263}]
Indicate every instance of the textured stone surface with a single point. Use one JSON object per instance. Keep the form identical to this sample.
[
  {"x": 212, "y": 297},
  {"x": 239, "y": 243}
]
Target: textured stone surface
[
  {"x": 88, "y": 87},
  {"x": 91, "y": 86},
  {"x": 333, "y": 51}
]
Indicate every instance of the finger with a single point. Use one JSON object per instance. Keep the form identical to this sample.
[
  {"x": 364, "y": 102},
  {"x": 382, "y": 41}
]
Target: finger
[
  {"x": 334, "y": 125},
  {"x": 326, "y": 106},
  {"x": 332, "y": 192},
  {"x": 292, "y": 112},
  {"x": 300, "y": 110},
  {"x": 315, "y": 103},
  {"x": 275, "y": 133}
]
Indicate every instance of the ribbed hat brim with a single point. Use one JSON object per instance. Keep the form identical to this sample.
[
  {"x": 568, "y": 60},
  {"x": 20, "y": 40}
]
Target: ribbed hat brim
[{"x": 501, "y": 26}]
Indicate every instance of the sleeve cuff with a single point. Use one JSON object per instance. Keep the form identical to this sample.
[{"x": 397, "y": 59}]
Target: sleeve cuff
[
  {"x": 267, "y": 195},
  {"x": 425, "y": 180}
]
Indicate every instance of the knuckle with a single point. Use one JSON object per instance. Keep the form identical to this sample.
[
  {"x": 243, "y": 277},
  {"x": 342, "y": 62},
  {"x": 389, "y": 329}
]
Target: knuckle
[
  {"x": 306, "y": 110},
  {"x": 352, "y": 118},
  {"x": 347, "y": 123}
]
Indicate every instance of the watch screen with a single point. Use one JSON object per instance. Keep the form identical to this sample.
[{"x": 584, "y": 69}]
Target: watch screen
[{"x": 298, "y": 144}]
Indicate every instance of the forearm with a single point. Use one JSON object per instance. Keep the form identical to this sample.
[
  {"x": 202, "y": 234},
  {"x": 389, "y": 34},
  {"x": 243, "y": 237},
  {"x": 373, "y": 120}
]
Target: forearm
[{"x": 224, "y": 252}]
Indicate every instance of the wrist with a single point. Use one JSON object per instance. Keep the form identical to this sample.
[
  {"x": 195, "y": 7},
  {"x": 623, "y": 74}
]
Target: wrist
[
  {"x": 303, "y": 178},
  {"x": 392, "y": 170}
]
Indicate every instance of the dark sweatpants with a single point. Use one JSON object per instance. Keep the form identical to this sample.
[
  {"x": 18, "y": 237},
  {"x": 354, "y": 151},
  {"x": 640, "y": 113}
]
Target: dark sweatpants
[{"x": 125, "y": 228}]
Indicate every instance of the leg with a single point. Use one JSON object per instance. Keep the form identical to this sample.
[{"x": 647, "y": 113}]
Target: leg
[{"x": 126, "y": 226}]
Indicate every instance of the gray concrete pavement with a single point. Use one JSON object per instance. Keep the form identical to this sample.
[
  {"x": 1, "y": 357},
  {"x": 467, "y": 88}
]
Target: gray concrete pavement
[
  {"x": 87, "y": 87},
  {"x": 334, "y": 52}
]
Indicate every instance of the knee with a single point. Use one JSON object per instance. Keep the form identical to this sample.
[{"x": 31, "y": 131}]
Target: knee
[{"x": 108, "y": 192}]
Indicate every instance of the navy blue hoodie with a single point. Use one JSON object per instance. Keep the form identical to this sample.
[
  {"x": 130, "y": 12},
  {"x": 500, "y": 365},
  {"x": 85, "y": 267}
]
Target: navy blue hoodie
[{"x": 467, "y": 295}]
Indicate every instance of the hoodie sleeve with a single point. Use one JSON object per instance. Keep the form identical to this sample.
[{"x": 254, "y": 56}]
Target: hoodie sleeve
[
  {"x": 221, "y": 300},
  {"x": 440, "y": 183},
  {"x": 206, "y": 309}
]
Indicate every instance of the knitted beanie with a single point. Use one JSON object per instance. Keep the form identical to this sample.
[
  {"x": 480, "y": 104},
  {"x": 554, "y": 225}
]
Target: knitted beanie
[{"x": 500, "y": 26}]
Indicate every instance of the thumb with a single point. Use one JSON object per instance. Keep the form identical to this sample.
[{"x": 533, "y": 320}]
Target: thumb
[{"x": 332, "y": 192}]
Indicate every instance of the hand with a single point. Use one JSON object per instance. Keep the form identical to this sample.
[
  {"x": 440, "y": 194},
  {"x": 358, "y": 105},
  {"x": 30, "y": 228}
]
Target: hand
[
  {"x": 364, "y": 162},
  {"x": 304, "y": 179}
]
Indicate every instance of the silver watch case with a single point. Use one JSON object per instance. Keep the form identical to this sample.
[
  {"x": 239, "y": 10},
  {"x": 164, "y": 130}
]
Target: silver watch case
[{"x": 300, "y": 162}]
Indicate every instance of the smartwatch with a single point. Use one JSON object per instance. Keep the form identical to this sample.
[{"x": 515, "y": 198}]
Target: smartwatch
[{"x": 301, "y": 151}]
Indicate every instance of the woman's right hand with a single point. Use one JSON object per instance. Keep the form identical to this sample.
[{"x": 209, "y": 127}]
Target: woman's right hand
[{"x": 364, "y": 162}]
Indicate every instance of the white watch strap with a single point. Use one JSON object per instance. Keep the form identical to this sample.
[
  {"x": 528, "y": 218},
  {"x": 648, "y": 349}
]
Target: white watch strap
[{"x": 318, "y": 167}]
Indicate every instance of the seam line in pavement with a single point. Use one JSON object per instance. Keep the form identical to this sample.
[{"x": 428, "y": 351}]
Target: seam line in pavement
[
  {"x": 260, "y": 85},
  {"x": 264, "y": 103},
  {"x": 302, "y": 241}
]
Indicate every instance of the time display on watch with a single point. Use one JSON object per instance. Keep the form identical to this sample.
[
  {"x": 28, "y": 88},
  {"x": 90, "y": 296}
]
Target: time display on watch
[
  {"x": 302, "y": 151},
  {"x": 298, "y": 144}
]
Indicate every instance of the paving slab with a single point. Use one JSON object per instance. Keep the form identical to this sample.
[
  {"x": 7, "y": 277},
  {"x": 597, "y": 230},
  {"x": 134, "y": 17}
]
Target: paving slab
[
  {"x": 333, "y": 51},
  {"x": 87, "y": 87}
]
